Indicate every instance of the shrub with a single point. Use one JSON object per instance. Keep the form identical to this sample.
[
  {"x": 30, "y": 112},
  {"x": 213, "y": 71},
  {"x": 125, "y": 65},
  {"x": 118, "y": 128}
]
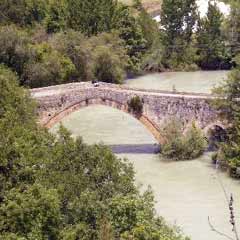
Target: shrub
[
  {"x": 48, "y": 68},
  {"x": 194, "y": 142},
  {"x": 76, "y": 47},
  {"x": 135, "y": 105},
  {"x": 108, "y": 66},
  {"x": 14, "y": 48},
  {"x": 180, "y": 146}
]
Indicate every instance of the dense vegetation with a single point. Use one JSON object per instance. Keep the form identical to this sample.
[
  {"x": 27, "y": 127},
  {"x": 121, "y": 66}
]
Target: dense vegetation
[
  {"x": 52, "y": 42},
  {"x": 179, "y": 145},
  {"x": 60, "y": 188},
  {"x": 228, "y": 104},
  {"x": 228, "y": 155}
]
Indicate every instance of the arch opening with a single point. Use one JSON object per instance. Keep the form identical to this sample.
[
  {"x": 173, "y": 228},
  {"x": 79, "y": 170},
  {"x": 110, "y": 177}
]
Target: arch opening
[
  {"x": 58, "y": 117},
  {"x": 216, "y": 134}
]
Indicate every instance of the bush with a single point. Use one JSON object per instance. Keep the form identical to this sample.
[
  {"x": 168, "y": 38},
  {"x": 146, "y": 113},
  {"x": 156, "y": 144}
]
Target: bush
[
  {"x": 14, "y": 48},
  {"x": 110, "y": 58},
  {"x": 48, "y": 68},
  {"x": 180, "y": 146},
  {"x": 135, "y": 105},
  {"x": 23, "y": 12},
  {"x": 78, "y": 48},
  {"x": 108, "y": 66}
]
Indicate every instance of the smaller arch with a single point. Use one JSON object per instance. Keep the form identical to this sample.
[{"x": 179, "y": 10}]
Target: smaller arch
[
  {"x": 212, "y": 126},
  {"x": 151, "y": 126},
  {"x": 215, "y": 133}
]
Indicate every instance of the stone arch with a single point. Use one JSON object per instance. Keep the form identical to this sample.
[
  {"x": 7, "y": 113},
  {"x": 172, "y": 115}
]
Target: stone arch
[
  {"x": 151, "y": 126},
  {"x": 212, "y": 125},
  {"x": 215, "y": 133}
]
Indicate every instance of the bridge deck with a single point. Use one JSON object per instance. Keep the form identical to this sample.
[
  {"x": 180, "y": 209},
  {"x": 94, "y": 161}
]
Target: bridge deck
[{"x": 60, "y": 89}]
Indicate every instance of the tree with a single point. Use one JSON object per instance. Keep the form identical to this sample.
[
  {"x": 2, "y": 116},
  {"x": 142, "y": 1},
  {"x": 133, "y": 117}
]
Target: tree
[
  {"x": 108, "y": 66},
  {"x": 18, "y": 137},
  {"x": 110, "y": 58},
  {"x": 131, "y": 32},
  {"x": 33, "y": 213},
  {"x": 23, "y": 12},
  {"x": 13, "y": 98},
  {"x": 228, "y": 106},
  {"x": 178, "y": 18},
  {"x": 91, "y": 17},
  {"x": 79, "y": 49},
  {"x": 182, "y": 146},
  {"x": 211, "y": 51},
  {"x": 57, "y": 187},
  {"x": 56, "y": 20},
  {"x": 232, "y": 28},
  {"x": 14, "y": 48},
  {"x": 48, "y": 67}
]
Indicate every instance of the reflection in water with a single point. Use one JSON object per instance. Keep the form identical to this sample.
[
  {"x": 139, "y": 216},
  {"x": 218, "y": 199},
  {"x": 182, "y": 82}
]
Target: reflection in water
[
  {"x": 198, "y": 82},
  {"x": 186, "y": 192}
]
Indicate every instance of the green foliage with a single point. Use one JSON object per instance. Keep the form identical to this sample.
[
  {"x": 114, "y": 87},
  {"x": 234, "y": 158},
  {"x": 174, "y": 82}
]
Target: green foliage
[
  {"x": 108, "y": 67},
  {"x": 13, "y": 99},
  {"x": 77, "y": 231},
  {"x": 195, "y": 142},
  {"x": 106, "y": 231},
  {"x": 33, "y": 213},
  {"x": 178, "y": 19},
  {"x": 91, "y": 16},
  {"x": 212, "y": 53},
  {"x": 148, "y": 47},
  {"x": 60, "y": 188},
  {"x": 110, "y": 58},
  {"x": 179, "y": 145},
  {"x": 19, "y": 47},
  {"x": 56, "y": 20},
  {"x": 23, "y": 12},
  {"x": 18, "y": 138},
  {"x": 48, "y": 67},
  {"x": 131, "y": 31},
  {"x": 14, "y": 48},
  {"x": 101, "y": 57},
  {"x": 228, "y": 105},
  {"x": 232, "y": 27},
  {"x": 135, "y": 105},
  {"x": 79, "y": 49}
]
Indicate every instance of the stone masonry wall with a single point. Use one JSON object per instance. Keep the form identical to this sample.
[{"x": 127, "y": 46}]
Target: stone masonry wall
[{"x": 56, "y": 102}]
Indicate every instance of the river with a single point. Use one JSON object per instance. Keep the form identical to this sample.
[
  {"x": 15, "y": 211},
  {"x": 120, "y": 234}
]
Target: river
[
  {"x": 186, "y": 192},
  {"x": 197, "y": 82}
]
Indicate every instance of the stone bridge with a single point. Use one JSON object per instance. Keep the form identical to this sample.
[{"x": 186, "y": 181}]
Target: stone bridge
[{"x": 56, "y": 102}]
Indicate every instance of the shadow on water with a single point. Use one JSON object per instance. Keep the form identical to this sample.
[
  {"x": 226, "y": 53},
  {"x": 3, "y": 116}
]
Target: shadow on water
[{"x": 135, "y": 148}]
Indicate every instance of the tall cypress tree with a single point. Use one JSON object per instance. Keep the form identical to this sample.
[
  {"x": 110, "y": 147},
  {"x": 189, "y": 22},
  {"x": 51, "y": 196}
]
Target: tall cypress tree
[
  {"x": 178, "y": 18},
  {"x": 233, "y": 27},
  {"x": 210, "y": 42}
]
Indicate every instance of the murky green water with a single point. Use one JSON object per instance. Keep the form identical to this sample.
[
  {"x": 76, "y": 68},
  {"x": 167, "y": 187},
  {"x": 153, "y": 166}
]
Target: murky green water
[
  {"x": 186, "y": 192},
  {"x": 198, "y": 82}
]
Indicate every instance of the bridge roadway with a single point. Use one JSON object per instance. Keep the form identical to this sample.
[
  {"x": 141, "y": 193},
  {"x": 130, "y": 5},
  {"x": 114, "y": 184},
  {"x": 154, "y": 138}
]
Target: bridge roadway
[{"x": 56, "y": 102}]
